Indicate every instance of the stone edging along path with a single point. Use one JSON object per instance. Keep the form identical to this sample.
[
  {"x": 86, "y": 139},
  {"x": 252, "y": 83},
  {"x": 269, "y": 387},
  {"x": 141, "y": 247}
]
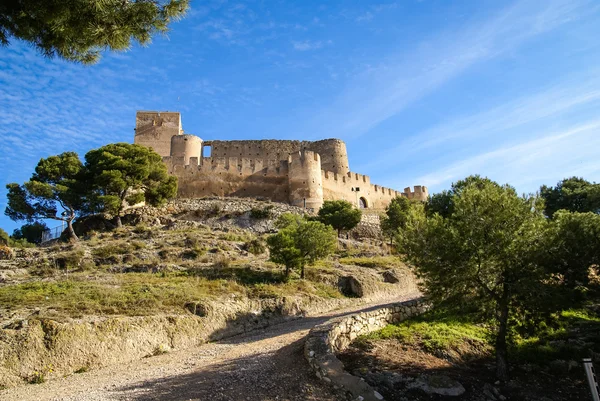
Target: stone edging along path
[{"x": 335, "y": 335}]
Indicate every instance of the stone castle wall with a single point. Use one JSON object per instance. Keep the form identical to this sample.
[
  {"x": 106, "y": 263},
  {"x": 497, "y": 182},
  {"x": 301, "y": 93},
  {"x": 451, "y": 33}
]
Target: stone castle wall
[
  {"x": 332, "y": 151},
  {"x": 301, "y": 173}
]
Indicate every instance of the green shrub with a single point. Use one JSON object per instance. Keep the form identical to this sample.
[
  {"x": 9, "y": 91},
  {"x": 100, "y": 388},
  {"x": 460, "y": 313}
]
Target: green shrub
[
  {"x": 70, "y": 260},
  {"x": 222, "y": 262},
  {"x": 116, "y": 248},
  {"x": 264, "y": 213},
  {"x": 255, "y": 246},
  {"x": 193, "y": 253}
]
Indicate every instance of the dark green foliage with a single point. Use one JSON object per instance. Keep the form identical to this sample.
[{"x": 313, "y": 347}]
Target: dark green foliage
[
  {"x": 573, "y": 194},
  {"x": 443, "y": 203},
  {"x": 255, "y": 246},
  {"x": 395, "y": 216},
  {"x": 31, "y": 232},
  {"x": 574, "y": 247},
  {"x": 55, "y": 191},
  {"x": 340, "y": 215},
  {"x": 78, "y": 30},
  {"x": 486, "y": 255},
  {"x": 122, "y": 173},
  {"x": 300, "y": 243},
  {"x": 264, "y": 213},
  {"x": 286, "y": 220}
]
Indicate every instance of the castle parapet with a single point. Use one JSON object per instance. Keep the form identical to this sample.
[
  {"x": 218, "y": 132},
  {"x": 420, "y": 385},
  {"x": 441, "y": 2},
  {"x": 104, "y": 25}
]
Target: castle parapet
[{"x": 420, "y": 193}]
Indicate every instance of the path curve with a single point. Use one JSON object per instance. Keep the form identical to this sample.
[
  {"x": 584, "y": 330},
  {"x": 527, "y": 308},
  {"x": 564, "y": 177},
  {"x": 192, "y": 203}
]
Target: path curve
[{"x": 266, "y": 364}]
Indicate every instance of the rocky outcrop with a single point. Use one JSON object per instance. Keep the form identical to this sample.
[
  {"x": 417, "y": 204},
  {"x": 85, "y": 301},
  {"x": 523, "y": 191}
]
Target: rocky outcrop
[{"x": 325, "y": 340}]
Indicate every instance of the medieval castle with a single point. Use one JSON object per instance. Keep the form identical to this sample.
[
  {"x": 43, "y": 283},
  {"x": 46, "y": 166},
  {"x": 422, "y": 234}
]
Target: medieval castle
[{"x": 301, "y": 173}]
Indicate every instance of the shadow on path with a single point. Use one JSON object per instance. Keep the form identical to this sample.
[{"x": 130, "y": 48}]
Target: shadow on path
[{"x": 280, "y": 375}]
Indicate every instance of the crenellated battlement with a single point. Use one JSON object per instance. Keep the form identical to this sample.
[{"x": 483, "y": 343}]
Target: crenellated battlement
[
  {"x": 303, "y": 173},
  {"x": 420, "y": 193}
]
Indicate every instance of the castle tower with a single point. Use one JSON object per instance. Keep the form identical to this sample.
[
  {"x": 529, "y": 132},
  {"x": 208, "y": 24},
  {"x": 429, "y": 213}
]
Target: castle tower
[
  {"x": 305, "y": 181},
  {"x": 154, "y": 130},
  {"x": 185, "y": 146},
  {"x": 333, "y": 153}
]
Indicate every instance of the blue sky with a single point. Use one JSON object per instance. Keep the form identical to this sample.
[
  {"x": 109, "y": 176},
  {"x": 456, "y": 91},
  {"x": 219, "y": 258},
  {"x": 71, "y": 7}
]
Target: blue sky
[{"x": 422, "y": 91}]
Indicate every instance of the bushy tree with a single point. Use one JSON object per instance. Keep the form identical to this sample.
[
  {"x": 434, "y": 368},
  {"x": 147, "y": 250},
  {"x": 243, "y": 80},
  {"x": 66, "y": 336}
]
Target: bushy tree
[
  {"x": 340, "y": 215},
  {"x": 443, "y": 203},
  {"x": 485, "y": 254},
  {"x": 78, "y": 30},
  {"x": 299, "y": 243},
  {"x": 573, "y": 194},
  {"x": 396, "y": 214},
  {"x": 30, "y": 232},
  {"x": 122, "y": 173},
  {"x": 55, "y": 191},
  {"x": 574, "y": 247}
]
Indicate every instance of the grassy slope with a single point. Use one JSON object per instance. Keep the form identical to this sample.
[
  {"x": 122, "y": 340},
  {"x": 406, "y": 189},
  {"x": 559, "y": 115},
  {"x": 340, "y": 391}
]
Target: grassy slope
[
  {"x": 572, "y": 336},
  {"x": 140, "y": 270}
]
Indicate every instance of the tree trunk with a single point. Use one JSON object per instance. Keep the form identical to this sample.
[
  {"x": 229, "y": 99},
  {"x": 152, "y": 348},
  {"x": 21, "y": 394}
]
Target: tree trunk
[
  {"x": 72, "y": 235},
  {"x": 501, "y": 347},
  {"x": 302, "y": 272},
  {"x": 287, "y": 272}
]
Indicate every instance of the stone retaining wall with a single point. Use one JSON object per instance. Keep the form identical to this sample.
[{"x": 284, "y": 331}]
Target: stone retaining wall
[{"x": 325, "y": 340}]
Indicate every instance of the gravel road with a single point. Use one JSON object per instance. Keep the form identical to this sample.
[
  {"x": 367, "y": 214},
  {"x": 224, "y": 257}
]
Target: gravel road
[{"x": 267, "y": 364}]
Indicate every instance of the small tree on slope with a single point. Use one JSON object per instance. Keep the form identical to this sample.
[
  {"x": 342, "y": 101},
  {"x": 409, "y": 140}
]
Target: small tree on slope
[
  {"x": 300, "y": 242},
  {"x": 123, "y": 173},
  {"x": 340, "y": 215},
  {"x": 55, "y": 191}
]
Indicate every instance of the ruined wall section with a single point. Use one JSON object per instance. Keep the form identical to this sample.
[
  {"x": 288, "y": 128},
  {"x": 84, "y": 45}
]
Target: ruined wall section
[
  {"x": 353, "y": 186},
  {"x": 233, "y": 176},
  {"x": 305, "y": 183},
  {"x": 334, "y": 156},
  {"x": 154, "y": 130}
]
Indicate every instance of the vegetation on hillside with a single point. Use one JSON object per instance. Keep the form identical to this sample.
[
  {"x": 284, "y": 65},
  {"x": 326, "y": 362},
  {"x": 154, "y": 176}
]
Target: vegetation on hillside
[
  {"x": 62, "y": 188},
  {"x": 482, "y": 245},
  {"x": 340, "y": 215},
  {"x": 300, "y": 242}
]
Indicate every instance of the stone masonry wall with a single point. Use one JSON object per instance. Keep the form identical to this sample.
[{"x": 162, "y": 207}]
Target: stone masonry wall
[{"x": 325, "y": 340}]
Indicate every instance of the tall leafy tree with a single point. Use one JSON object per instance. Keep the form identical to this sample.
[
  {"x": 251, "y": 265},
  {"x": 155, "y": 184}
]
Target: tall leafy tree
[
  {"x": 443, "y": 203},
  {"x": 55, "y": 191},
  {"x": 31, "y": 232},
  {"x": 301, "y": 242},
  {"x": 396, "y": 214},
  {"x": 122, "y": 174},
  {"x": 573, "y": 194},
  {"x": 485, "y": 255},
  {"x": 79, "y": 30},
  {"x": 340, "y": 215}
]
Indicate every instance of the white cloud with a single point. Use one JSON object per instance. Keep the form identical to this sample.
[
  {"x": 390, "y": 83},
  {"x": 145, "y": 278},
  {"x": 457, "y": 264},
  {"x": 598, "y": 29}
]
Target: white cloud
[
  {"x": 307, "y": 45},
  {"x": 381, "y": 91},
  {"x": 529, "y": 163}
]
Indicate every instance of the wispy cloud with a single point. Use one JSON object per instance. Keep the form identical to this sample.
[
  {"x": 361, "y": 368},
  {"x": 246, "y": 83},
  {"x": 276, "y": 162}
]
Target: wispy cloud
[
  {"x": 383, "y": 90},
  {"x": 306, "y": 45},
  {"x": 513, "y": 118},
  {"x": 560, "y": 154}
]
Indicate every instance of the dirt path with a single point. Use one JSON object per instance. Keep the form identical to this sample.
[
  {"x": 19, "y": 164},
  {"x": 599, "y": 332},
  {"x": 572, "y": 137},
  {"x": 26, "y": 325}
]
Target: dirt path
[{"x": 265, "y": 365}]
